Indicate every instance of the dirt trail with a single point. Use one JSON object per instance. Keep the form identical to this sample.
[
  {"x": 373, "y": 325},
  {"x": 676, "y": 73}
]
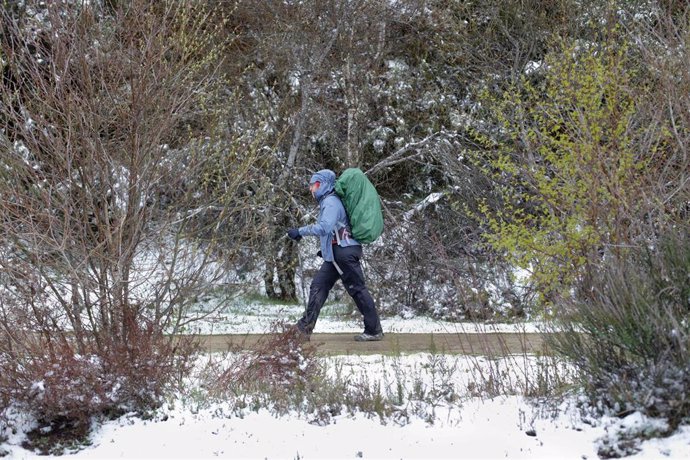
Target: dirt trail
[{"x": 488, "y": 344}]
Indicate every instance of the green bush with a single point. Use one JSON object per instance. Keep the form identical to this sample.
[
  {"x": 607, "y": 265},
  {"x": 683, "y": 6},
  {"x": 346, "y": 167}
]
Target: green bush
[
  {"x": 629, "y": 335},
  {"x": 567, "y": 157}
]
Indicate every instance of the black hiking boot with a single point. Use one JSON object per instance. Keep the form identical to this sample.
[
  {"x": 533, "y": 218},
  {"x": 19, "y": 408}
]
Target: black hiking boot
[
  {"x": 301, "y": 335},
  {"x": 364, "y": 337}
]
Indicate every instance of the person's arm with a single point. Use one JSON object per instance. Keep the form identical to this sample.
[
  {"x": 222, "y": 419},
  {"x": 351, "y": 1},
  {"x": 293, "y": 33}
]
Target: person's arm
[{"x": 327, "y": 221}]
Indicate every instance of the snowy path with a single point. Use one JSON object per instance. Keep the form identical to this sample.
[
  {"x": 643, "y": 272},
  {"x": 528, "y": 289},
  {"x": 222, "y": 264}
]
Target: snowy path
[{"x": 485, "y": 344}]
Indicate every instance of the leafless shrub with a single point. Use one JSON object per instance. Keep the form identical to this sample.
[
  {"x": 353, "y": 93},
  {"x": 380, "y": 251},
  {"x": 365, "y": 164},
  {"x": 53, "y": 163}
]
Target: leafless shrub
[
  {"x": 103, "y": 170},
  {"x": 54, "y": 381},
  {"x": 282, "y": 373},
  {"x": 281, "y": 361},
  {"x": 64, "y": 389},
  {"x": 436, "y": 251},
  {"x": 663, "y": 48}
]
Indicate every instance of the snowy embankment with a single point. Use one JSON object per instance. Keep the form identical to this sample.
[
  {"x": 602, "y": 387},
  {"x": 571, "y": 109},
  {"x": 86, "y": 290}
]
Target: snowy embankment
[
  {"x": 471, "y": 427},
  {"x": 487, "y": 429}
]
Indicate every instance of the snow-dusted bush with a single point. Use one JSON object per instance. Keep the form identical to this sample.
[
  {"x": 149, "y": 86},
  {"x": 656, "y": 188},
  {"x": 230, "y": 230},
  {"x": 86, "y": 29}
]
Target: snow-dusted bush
[
  {"x": 61, "y": 384},
  {"x": 277, "y": 373},
  {"x": 629, "y": 335},
  {"x": 102, "y": 109},
  {"x": 63, "y": 390},
  {"x": 431, "y": 260}
]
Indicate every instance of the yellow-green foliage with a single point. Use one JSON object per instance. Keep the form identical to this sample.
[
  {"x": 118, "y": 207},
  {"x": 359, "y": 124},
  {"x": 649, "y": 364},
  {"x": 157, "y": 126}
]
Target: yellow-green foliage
[{"x": 567, "y": 168}]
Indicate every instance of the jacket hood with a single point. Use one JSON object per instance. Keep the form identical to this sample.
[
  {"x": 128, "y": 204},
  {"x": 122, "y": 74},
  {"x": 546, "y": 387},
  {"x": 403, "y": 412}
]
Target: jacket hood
[{"x": 327, "y": 179}]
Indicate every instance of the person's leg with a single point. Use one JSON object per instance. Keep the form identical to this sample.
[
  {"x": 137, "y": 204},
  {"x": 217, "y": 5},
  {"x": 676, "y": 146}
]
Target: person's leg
[
  {"x": 348, "y": 259},
  {"x": 318, "y": 292}
]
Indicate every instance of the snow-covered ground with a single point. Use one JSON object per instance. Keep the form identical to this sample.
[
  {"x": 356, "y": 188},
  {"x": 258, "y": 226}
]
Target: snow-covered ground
[
  {"x": 484, "y": 429},
  {"x": 462, "y": 426}
]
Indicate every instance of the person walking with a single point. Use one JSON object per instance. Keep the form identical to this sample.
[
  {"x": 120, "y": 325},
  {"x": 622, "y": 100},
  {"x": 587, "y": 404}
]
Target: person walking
[{"x": 341, "y": 260}]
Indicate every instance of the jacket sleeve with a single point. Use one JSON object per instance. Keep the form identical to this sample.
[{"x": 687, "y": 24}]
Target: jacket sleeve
[{"x": 328, "y": 217}]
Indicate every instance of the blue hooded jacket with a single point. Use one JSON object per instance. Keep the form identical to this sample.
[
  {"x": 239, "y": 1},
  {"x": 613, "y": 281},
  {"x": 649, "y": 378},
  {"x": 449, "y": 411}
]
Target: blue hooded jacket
[{"x": 332, "y": 216}]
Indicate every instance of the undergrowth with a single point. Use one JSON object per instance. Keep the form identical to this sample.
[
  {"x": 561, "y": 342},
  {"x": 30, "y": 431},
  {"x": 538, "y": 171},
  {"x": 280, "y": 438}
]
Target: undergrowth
[
  {"x": 65, "y": 386},
  {"x": 284, "y": 375},
  {"x": 629, "y": 336}
]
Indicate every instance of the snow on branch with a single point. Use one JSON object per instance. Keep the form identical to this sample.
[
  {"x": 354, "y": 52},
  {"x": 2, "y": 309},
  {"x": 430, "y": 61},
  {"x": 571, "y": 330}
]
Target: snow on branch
[{"x": 403, "y": 154}]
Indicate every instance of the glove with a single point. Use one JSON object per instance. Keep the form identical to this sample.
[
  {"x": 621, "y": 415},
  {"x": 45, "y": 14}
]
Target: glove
[{"x": 293, "y": 233}]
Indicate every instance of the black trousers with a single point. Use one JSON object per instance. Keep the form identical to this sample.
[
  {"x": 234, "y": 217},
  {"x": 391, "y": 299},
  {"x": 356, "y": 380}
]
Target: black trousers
[{"x": 348, "y": 259}]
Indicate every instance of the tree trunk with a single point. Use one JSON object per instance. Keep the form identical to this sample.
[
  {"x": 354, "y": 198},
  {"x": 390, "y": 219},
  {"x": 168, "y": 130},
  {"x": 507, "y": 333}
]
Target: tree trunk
[
  {"x": 269, "y": 273},
  {"x": 286, "y": 263}
]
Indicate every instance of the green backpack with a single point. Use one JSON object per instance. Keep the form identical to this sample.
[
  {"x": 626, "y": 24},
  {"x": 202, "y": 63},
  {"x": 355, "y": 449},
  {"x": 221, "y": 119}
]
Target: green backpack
[{"x": 362, "y": 205}]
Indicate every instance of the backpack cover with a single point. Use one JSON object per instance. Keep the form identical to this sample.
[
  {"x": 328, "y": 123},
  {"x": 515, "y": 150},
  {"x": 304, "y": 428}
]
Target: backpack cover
[{"x": 362, "y": 205}]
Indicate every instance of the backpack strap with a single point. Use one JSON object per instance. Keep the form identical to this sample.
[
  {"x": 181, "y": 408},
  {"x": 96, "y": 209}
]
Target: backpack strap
[{"x": 342, "y": 233}]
